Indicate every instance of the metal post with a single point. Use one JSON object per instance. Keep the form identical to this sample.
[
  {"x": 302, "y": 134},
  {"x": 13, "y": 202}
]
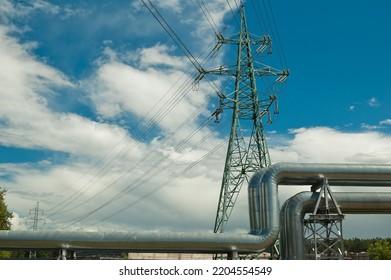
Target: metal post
[
  {"x": 62, "y": 254},
  {"x": 233, "y": 255}
]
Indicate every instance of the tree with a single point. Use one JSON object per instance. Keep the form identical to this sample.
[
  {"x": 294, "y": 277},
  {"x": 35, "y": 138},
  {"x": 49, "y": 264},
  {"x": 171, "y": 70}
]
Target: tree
[
  {"x": 356, "y": 245},
  {"x": 380, "y": 250},
  {"x": 5, "y": 215},
  {"x": 5, "y": 220}
]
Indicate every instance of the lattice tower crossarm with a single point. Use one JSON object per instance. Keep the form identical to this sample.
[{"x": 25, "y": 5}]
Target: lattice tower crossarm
[{"x": 245, "y": 153}]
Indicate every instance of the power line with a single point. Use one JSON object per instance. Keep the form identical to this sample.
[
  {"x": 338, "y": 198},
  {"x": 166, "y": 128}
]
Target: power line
[
  {"x": 132, "y": 144},
  {"x": 172, "y": 134},
  {"x": 208, "y": 16},
  {"x": 141, "y": 179},
  {"x": 155, "y": 120},
  {"x": 278, "y": 35},
  {"x": 233, "y": 14},
  {"x": 126, "y": 149},
  {"x": 164, "y": 184},
  {"x": 159, "y": 115},
  {"x": 156, "y": 14},
  {"x": 178, "y": 146}
]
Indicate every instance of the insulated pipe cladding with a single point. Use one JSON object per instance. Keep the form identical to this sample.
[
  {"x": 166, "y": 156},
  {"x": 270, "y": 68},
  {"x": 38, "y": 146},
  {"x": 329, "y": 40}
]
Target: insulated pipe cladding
[
  {"x": 294, "y": 209},
  {"x": 264, "y": 210},
  {"x": 264, "y": 206}
]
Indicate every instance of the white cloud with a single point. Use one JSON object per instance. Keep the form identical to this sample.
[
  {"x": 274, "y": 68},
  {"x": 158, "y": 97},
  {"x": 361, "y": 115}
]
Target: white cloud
[
  {"x": 370, "y": 127},
  {"x": 159, "y": 56},
  {"x": 386, "y": 122},
  {"x": 10, "y": 9},
  {"x": 373, "y": 102},
  {"x": 28, "y": 121},
  {"x": 17, "y": 222},
  {"x": 171, "y": 5},
  {"x": 324, "y": 144},
  {"x": 119, "y": 88},
  {"x": 26, "y": 118}
]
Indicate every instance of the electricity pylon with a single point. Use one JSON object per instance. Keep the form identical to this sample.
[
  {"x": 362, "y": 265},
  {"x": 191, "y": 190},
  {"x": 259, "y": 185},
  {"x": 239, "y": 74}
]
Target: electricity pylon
[
  {"x": 35, "y": 216},
  {"x": 247, "y": 152}
]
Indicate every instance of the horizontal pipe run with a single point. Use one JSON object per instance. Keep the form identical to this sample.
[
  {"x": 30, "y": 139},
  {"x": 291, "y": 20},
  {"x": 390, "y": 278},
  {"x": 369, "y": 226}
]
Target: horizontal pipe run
[{"x": 133, "y": 241}]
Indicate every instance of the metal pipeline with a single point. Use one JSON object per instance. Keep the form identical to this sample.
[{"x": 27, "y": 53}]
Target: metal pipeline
[
  {"x": 132, "y": 241},
  {"x": 294, "y": 209},
  {"x": 264, "y": 206},
  {"x": 263, "y": 211}
]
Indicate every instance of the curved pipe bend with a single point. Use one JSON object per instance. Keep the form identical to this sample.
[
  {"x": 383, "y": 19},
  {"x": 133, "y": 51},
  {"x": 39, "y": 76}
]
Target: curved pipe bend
[
  {"x": 294, "y": 209},
  {"x": 264, "y": 205}
]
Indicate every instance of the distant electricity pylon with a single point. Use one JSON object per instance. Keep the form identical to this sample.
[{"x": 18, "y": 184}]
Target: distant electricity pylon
[
  {"x": 35, "y": 220},
  {"x": 247, "y": 150}
]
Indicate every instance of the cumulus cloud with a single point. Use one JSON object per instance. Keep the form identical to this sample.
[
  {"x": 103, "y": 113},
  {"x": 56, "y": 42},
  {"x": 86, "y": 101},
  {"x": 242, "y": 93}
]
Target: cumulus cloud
[
  {"x": 118, "y": 87},
  {"x": 18, "y": 223},
  {"x": 158, "y": 55},
  {"x": 26, "y": 118},
  {"x": 29, "y": 121},
  {"x": 325, "y": 144}
]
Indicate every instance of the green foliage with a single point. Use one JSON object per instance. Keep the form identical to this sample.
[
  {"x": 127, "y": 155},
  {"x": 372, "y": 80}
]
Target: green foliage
[
  {"x": 380, "y": 250},
  {"x": 5, "y": 254},
  {"x": 356, "y": 245},
  {"x": 377, "y": 248},
  {"x": 5, "y": 215},
  {"x": 5, "y": 221}
]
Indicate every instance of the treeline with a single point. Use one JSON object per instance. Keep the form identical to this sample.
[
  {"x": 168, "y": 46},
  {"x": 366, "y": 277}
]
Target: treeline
[
  {"x": 357, "y": 245},
  {"x": 377, "y": 248}
]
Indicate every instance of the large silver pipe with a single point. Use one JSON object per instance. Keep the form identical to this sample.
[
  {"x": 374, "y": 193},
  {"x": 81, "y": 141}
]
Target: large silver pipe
[
  {"x": 294, "y": 209},
  {"x": 133, "y": 241},
  {"x": 263, "y": 187},
  {"x": 263, "y": 209}
]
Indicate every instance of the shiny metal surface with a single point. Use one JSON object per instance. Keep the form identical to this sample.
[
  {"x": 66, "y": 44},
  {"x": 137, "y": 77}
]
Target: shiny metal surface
[
  {"x": 132, "y": 241},
  {"x": 263, "y": 187},
  {"x": 294, "y": 209}
]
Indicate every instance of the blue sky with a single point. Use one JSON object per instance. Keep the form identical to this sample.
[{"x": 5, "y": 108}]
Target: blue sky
[{"x": 101, "y": 124}]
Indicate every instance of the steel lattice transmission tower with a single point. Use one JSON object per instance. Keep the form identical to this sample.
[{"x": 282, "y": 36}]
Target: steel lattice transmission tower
[
  {"x": 246, "y": 153},
  {"x": 35, "y": 218}
]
